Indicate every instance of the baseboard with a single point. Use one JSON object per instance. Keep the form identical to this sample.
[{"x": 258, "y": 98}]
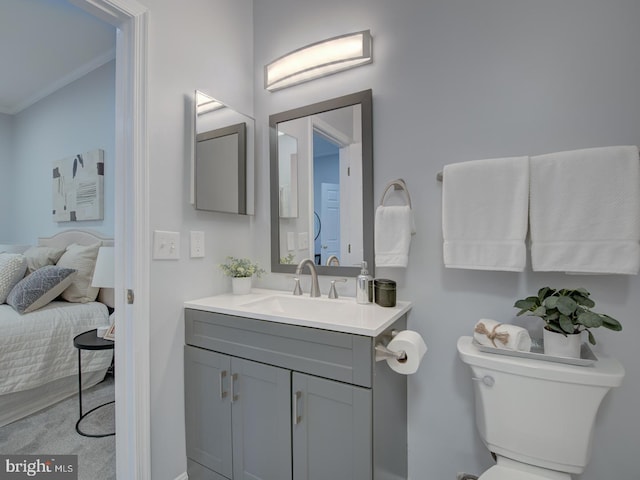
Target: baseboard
[{"x": 182, "y": 476}]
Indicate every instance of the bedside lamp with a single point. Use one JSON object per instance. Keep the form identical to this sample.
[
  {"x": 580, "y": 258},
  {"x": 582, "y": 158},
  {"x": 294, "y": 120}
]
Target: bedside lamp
[{"x": 104, "y": 275}]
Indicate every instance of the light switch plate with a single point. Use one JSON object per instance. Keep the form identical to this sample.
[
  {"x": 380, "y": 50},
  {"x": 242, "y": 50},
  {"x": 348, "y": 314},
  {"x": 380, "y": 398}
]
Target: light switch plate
[
  {"x": 166, "y": 245},
  {"x": 197, "y": 244}
]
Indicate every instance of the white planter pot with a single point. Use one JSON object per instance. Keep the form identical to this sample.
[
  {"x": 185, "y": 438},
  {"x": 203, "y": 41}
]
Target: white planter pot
[
  {"x": 241, "y": 285},
  {"x": 558, "y": 345}
]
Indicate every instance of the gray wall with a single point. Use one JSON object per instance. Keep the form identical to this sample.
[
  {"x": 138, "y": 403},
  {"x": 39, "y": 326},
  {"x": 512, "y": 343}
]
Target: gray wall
[
  {"x": 6, "y": 170},
  {"x": 75, "y": 119},
  {"x": 463, "y": 80}
]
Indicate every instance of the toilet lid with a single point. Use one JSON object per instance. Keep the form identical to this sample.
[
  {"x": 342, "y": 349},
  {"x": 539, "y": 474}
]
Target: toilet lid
[{"x": 498, "y": 472}]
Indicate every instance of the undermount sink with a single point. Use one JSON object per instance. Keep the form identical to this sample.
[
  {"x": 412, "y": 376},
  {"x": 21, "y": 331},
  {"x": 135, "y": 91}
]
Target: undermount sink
[
  {"x": 342, "y": 314},
  {"x": 306, "y": 307}
]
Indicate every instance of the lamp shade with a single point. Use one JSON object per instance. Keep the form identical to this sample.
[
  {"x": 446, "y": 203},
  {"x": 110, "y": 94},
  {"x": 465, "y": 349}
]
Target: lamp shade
[
  {"x": 318, "y": 60},
  {"x": 104, "y": 273}
]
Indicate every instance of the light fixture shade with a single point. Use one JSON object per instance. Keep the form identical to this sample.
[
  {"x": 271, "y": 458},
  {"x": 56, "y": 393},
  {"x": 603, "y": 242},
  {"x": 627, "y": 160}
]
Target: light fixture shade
[
  {"x": 318, "y": 60},
  {"x": 206, "y": 104},
  {"x": 104, "y": 272}
]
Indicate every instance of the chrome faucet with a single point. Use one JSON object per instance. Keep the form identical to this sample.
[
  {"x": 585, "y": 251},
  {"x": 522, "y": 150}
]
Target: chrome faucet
[
  {"x": 333, "y": 259},
  {"x": 315, "y": 288}
]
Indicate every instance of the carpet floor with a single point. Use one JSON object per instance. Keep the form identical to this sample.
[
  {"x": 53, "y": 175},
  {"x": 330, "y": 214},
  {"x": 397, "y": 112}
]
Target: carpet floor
[{"x": 52, "y": 431}]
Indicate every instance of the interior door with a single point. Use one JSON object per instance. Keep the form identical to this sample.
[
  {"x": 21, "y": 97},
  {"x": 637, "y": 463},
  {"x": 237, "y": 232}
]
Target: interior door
[{"x": 330, "y": 221}]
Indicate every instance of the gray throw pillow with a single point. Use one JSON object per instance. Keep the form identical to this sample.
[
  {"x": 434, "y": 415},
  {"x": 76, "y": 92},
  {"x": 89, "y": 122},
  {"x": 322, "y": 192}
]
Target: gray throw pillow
[{"x": 41, "y": 287}]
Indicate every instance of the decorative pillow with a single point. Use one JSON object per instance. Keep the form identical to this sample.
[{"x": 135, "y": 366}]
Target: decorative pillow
[
  {"x": 83, "y": 259},
  {"x": 12, "y": 268},
  {"x": 38, "y": 257},
  {"x": 41, "y": 287}
]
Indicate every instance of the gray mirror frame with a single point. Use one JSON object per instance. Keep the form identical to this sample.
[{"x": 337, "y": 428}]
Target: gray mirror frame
[{"x": 364, "y": 99}]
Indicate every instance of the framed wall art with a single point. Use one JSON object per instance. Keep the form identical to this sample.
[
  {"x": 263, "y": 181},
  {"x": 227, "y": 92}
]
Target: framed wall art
[{"x": 78, "y": 187}]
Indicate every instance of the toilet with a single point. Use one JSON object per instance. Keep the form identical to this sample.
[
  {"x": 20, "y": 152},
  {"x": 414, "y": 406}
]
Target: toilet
[{"x": 531, "y": 438}]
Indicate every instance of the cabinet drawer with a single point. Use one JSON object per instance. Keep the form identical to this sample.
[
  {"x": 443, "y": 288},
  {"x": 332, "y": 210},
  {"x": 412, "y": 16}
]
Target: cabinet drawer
[{"x": 339, "y": 356}]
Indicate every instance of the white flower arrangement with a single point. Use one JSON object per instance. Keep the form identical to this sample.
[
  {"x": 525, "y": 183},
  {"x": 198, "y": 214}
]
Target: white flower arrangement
[{"x": 241, "y": 268}]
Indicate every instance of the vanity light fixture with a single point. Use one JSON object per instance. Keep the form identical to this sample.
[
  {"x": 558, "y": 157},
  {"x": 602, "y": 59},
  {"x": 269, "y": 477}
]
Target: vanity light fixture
[
  {"x": 206, "y": 104},
  {"x": 319, "y": 60}
]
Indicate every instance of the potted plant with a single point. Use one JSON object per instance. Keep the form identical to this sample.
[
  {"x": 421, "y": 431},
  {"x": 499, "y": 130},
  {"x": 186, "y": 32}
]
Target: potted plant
[
  {"x": 241, "y": 270},
  {"x": 566, "y": 314}
]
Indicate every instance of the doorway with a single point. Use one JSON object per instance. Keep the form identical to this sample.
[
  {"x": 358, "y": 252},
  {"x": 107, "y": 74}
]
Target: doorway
[{"x": 131, "y": 236}]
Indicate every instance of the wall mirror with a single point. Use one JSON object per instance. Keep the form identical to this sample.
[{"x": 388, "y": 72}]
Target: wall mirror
[
  {"x": 223, "y": 157},
  {"x": 322, "y": 185}
]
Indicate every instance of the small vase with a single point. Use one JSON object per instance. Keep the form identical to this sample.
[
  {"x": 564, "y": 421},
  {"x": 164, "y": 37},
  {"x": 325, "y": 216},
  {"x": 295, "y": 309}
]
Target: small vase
[
  {"x": 559, "y": 345},
  {"x": 241, "y": 285}
]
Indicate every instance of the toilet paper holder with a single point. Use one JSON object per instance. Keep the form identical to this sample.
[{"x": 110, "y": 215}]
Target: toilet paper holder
[{"x": 383, "y": 353}]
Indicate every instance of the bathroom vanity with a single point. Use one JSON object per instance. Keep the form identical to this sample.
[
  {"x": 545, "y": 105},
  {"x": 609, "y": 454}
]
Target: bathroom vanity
[{"x": 280, "y": 387}]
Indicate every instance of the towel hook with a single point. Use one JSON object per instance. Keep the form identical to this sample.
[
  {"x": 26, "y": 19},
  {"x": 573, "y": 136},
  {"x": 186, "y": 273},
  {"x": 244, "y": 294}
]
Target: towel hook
[{"x": 398, "y": 184}]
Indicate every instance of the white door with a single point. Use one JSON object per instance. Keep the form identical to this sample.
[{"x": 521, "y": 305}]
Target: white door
[{"x": 329, "y": 221}]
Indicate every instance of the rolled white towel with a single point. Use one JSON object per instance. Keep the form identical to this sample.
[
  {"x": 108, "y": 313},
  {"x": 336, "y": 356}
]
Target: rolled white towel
[{"x": 502, "y": 335}]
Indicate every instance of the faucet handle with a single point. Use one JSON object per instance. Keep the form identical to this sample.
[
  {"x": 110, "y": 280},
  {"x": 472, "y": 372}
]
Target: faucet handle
[
  {"x": 333, "y": 293},
  {"x": 297, "y": 289}
]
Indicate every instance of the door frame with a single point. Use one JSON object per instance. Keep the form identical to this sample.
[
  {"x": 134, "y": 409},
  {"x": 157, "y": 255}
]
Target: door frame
[{"x": 131, "y": 235}]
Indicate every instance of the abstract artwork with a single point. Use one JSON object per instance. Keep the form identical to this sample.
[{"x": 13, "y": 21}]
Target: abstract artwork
[{"x": 78, "y": 187}]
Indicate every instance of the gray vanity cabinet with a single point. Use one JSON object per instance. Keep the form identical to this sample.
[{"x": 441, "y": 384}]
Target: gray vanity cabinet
[
  {"x": 237, "y": 416},
  {"x": 272, "y": 401},
  {"x": 208, "y": 409},
  {"x": 332, "y": 429}
]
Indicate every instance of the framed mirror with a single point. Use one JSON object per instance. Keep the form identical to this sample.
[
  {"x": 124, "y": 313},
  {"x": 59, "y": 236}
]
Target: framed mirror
[
  {"x": 223, "y": 157},
  {"x": 322, "y": 185}
]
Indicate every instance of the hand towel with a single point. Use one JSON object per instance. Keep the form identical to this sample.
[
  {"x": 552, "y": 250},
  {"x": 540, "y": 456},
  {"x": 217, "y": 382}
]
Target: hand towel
[
  {"x": 393, "y": 228},
  {"x": 484, "y": 214},
  {"x": 501, "y": 335},
  {"x": 585, "y": 211}
]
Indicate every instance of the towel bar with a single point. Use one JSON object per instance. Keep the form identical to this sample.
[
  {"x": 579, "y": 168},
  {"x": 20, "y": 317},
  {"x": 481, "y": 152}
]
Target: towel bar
[{"x": 398, "y": 184}]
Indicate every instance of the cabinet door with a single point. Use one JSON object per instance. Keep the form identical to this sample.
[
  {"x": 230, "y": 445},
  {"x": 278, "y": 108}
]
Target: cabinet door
[
  {"x": 208, "y": 409},
  {"x": 332, "y": 431},
  {"x": 261, "y": 421}
]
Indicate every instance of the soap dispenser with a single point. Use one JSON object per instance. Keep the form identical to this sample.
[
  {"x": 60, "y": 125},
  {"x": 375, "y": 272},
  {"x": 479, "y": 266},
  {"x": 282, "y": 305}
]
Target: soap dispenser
[{"x": 363, "y": 285}]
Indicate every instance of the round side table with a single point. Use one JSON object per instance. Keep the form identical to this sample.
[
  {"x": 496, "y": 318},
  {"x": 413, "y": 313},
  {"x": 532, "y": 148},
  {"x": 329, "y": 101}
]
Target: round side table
[{"x": 89, "y": 341}]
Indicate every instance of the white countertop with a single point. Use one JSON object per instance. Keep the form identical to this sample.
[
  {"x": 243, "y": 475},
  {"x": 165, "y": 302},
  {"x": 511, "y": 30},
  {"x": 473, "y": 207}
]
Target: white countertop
[{"x": 339, "y": 315}]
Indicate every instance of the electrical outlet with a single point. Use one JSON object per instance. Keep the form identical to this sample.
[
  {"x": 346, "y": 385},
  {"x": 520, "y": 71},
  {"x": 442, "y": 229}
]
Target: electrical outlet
[
  {"x": 303, "y": 240},
  {"x": 291, "y": 241},
  {"x": 166, "y": 245},
  {"x": 197, "y": 244}
]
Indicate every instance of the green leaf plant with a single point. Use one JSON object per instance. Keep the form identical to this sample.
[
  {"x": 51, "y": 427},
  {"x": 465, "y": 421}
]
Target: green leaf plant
[{"x": 566, "y": 311}]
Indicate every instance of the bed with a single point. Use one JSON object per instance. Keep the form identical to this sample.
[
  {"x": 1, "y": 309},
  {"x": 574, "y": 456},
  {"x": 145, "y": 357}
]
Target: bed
[{"x": 38, "y": 362}]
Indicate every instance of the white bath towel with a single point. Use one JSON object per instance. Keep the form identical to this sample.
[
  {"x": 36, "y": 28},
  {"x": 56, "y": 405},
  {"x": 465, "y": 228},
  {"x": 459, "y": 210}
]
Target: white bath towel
[
  {"x": 502, "y": 335},
  {"x": 393, "y": 228},
  {"x": 585, "y": 211},
  {"x": 484, "y": 214}
]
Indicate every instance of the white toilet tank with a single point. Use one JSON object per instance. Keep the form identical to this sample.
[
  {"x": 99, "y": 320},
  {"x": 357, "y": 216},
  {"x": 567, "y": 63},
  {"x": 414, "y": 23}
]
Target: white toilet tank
[{"x": 537, "y": 412}]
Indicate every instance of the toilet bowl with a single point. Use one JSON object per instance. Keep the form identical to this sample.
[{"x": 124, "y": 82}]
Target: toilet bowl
[{"x": 519, "y": 418}]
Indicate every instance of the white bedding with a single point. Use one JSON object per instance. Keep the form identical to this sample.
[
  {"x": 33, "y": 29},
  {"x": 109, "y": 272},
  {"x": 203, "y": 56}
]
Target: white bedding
[{"x": 37, "y": 348}]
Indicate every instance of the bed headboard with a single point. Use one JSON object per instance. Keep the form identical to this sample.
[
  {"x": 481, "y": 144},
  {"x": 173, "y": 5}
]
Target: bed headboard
[{"x": 81, "y": 237}]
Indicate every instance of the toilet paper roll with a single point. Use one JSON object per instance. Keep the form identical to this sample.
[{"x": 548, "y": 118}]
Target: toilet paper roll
[{"x": 412, "y": 344}]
